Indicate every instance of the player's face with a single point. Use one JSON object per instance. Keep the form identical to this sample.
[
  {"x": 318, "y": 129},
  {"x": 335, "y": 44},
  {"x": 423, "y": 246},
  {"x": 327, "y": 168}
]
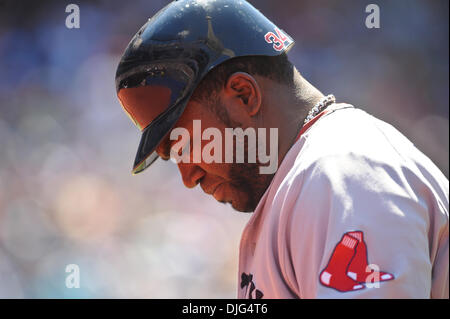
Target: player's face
[{"x": 239, "y": 184}]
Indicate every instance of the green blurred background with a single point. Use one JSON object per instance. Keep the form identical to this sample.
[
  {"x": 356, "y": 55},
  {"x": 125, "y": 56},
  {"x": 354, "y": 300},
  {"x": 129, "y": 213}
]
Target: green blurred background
[{"x": 66, "y": 146}]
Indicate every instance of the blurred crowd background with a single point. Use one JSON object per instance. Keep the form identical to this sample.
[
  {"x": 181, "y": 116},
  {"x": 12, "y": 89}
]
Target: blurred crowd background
[{"x": 66, "y": 147}]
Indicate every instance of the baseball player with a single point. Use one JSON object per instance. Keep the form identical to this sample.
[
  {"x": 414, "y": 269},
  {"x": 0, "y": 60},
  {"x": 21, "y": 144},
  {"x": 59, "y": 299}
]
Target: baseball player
[{"x": 352, "y": 210}]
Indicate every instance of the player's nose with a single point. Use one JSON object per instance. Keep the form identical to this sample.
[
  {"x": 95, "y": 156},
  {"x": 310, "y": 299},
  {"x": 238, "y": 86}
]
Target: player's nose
[{"x": 191, "y": 174}]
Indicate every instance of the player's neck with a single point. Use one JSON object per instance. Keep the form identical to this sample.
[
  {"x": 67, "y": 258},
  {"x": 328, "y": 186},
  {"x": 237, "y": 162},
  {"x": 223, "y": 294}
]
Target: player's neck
[{"x": 301, "y": 100}]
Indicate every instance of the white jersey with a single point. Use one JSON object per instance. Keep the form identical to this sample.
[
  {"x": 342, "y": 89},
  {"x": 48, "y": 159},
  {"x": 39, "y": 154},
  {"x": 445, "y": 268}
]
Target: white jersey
[{"x": 354, "y": 211}]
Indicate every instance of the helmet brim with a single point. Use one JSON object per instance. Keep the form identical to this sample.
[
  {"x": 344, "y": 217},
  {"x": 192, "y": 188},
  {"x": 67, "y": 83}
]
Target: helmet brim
[{"x": 154, "y": 134}]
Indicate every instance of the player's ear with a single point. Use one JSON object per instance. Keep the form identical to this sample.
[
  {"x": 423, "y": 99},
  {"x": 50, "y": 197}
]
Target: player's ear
[{"x": 244, "y": 87}]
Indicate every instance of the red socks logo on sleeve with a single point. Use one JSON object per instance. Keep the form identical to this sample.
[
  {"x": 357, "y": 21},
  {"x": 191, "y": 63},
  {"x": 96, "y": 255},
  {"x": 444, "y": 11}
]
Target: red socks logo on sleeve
[{"x": 348, "y": 268}]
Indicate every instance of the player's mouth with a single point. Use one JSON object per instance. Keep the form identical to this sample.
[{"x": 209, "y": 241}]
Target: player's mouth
[
  {"x": 209, "y": 189},
  {"x": 217, "y": 191}
]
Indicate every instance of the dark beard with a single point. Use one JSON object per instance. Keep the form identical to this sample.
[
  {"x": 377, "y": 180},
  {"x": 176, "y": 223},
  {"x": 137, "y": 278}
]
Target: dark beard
[{"x": 247, "y": 179}]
